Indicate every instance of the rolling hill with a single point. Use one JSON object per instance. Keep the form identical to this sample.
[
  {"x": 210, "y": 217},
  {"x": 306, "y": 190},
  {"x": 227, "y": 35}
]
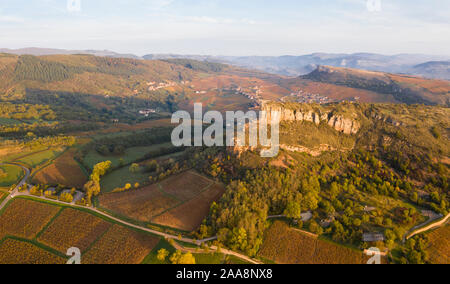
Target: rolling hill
[
  {"x": 287, "y": 65},
  {"x": 120, "y": 87},
  {"x": 404, "y": 89},
  {"x": 435, "y": 69},
  {"x": 304, "y": 64}
]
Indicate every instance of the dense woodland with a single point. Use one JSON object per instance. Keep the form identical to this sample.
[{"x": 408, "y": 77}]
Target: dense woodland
[{"x": 42, "y": 70}]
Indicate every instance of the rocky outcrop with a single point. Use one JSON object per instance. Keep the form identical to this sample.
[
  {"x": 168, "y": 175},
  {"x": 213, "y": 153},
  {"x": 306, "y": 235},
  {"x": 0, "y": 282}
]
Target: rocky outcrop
[
  {"x": 304, "y": 113},
  {"x": 315, "y": 152},
  {"x": 345, "y": 125},
  {"x": 387, "y": 119}
]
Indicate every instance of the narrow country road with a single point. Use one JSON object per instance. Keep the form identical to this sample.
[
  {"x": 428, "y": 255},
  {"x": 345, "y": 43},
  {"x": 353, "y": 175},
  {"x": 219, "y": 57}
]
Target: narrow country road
[
  {"x": 423, "y": 228},
  {"x": 15, "y": 193},
  {"x": 16, "y": 189}
]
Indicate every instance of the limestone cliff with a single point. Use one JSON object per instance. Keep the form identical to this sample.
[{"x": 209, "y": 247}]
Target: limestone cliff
[{"x": 347, "y": 124}]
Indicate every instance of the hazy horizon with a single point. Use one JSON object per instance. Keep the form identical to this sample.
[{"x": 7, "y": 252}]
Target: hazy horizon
[
  {"x": 229, "y": 28},
  {"x": 219, "y": 55}
]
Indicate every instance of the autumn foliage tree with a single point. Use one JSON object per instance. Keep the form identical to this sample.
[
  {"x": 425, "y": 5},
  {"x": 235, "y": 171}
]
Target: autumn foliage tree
[{"x": 92, "y": 187}]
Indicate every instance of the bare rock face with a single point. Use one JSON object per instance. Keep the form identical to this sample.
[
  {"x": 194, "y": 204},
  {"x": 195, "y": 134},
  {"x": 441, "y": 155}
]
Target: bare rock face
[
  {"x": 340, "y": 123},
  {"x": 345, "y": 125}
]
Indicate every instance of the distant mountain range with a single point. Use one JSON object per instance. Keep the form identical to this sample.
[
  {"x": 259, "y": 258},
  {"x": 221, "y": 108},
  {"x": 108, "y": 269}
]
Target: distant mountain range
[
  {"x": 51, "y": 51},
  {"x": 428, "y": 66}
]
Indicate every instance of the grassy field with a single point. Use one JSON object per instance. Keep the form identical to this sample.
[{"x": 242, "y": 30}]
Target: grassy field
[
  {"x": 151, "y": 258},
  {"x": 122, "y": 176},
  {"x": 11, "y": 153},
  {"x": 288, "y": 246},
  {"x": 39, "y": 158},
  {"x": 64, "y": 170},
  {"x": 9, "y": 121},
  {"x": 209, "y": 258},
  {"x": 131, "y": 155},
  {"x": 10, "y": 175},
  {"x": 180, "y": 202}
]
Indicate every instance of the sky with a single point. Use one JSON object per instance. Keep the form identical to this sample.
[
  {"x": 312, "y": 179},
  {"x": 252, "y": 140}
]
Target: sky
[{"x": 229, "y": 27}]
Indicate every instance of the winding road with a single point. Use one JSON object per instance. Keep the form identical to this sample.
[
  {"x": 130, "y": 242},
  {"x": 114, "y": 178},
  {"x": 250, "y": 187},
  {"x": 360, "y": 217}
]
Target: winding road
[
  {"x": 15, "y": 193},
  {"x": 423, "y": 228},
  {"x": 16, "y": 189}
]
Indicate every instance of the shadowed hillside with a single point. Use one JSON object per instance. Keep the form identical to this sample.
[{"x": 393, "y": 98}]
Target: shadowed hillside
[{"x": 404, "y": 89}]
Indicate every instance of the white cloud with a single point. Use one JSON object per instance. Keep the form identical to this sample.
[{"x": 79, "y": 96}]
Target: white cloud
[
  {"x": 216, "y": 20},
  {"x": 11, "y": 19}
]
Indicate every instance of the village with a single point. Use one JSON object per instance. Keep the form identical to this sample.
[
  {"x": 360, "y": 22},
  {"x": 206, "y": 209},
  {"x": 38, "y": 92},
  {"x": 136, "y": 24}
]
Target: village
[{"x": 305, "y": 97}]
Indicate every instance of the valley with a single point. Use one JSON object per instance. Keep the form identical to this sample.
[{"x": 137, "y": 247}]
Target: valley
[{"x": 86, "y": 161}]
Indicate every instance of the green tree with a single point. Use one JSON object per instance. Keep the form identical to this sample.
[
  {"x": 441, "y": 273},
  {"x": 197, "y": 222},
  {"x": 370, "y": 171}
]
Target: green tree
[
  {"x": 293, "y": 210},
  {"x": 134, "y": 168}
]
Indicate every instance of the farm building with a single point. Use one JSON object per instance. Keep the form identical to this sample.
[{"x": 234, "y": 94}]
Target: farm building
[{"x": 373, "y": 237}]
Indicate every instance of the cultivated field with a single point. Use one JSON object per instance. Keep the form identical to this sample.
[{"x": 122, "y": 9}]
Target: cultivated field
[
  {"x": 64, "y": 170},
  {"x": 18, "y": 252},
  {"x": 186, "y": 185},
  {"x": 439, "y": 250},
  {"x": 330, "y": 253},
  {"x": 142, "y": 204},
  {"x": 39, "y": 158},
  {"x": 120, "y": 246},
  {"x": 46, "y": 239},
  {"x": 73, "y": 228},
  {"x": 189, "y": 216},
  {"x": 10, "y": 175},
  {"x": 181, "y": 201},
  {"x": 25, "y": 218},
  {"x": 288, "y": 246}
]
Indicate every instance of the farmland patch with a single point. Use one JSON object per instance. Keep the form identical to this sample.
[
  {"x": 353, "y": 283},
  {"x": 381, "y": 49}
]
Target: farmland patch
[
  {"x": 73, "y": 228},
  {"x": 189, "y": 215},
  {"x": 439, "y": 249},
  {"x": 10, "y": 175},
  {"x": 64, "y": 170},
  {"x": 39, "y": 158},
  {"x": 285, "y": 245},
  {"x": 18, "y": 252},
  {"x": 120, "y": 246},
  {"x": 142, "y": 204},
  {"x": 25, "y": 218}
]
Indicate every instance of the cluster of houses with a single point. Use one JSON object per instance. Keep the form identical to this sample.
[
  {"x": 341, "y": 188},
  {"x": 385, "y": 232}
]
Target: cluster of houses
[
  {"x": 304, "y": 97},
  {"x": 49, "y": 192},
  {"x": 153, "y": 86},
  {"x": 147, "y": 112},
  {"x": 253, "y": 94}
]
